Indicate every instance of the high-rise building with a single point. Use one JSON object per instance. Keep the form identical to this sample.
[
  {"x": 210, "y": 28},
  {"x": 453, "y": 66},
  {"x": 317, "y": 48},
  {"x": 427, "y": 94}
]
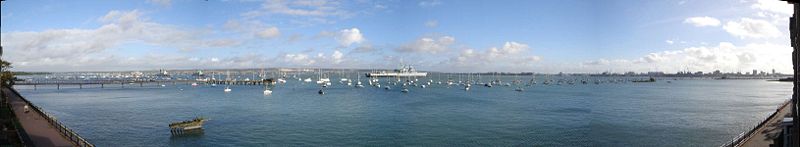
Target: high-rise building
[{"x": 755, "y": 72}]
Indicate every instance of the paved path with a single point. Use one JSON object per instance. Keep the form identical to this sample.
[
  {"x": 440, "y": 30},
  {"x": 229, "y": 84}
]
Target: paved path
[
  {"x": 40, "y": 131},
  {"x": 763, "y": 135}
]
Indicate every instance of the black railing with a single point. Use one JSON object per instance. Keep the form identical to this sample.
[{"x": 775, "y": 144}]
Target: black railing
[
  {"x": 65, "y": 132},
  {"x": 744, "y": 135}
]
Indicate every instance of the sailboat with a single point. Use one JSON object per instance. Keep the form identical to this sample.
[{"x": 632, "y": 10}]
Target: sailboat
[
  {"x": 358, "y": 81},
  {"x": 267, "y": 91},
  {"x": 518, "y": 83},
  {"x": 227, "y": 86}
]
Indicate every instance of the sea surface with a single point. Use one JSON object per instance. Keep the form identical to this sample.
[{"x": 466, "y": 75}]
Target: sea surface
[{"x": 682, "y": 112}]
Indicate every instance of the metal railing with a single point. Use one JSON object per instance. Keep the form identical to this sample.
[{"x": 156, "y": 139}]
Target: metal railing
[
  {"x": 739, "y": 138},
  {"x": 65, "y": 132}
]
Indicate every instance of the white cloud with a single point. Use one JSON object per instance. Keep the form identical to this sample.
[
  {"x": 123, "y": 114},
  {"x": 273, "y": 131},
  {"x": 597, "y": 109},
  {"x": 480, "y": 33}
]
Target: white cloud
[
  {"x": 298, "y": 59},
  {"x": 269, "y": 33},
  {"x": 337, "y": 57},
  {"x": 777, "y": 12},
  {"x": 751, "y": 28},
  {"x": 254, "y": 28},
  {"x": 346, "y": 37},
  {"x": 304, "y": 12},
  {"x": 597, "y": 62},
  {"x": 428, "y": 45},
  {"x": 508, "y": 49},
  {"x": 702, "y": 21},
  {"x": 429, "y": 3},
  {"x": 431, "y": 23},
  {"x": 74, "y": 49},
  {"x": 512, "y": 56},
  {"x": 304, "y": 7},
  {"x": 161, "y": 2},
  {"x": 725, "y": 56},
  {"x": 669, "y": 42},
  {"x": 774, "y": 6}
]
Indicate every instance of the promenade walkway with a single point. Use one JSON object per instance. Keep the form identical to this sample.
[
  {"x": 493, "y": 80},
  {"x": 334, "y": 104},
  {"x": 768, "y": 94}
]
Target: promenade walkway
[
  {"x": 40, "y": 131},
  {"x": 764, "y": 134}
]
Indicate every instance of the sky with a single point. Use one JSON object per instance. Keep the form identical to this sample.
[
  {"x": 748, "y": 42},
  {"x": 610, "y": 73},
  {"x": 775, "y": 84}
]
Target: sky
[{"x": 545, "y": 36}]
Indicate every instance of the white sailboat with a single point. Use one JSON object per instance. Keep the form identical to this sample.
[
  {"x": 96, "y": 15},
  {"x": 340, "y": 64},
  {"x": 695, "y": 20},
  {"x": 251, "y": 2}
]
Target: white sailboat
[
  {"x": 358, "y": 81},
  {"x": 267, "y": 91},
  {"x": 227, "y": 78}
]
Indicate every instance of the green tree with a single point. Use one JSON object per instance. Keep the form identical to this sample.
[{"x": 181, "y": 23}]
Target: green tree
[{"x": 6, "y": 76}]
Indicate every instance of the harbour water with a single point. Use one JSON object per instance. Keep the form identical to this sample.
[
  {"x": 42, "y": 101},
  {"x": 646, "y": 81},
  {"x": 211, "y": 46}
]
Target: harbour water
[{"x": 678, "y": 113}]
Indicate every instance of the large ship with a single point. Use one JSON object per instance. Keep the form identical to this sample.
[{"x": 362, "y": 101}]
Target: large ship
[{"x": 405, "y": 71}]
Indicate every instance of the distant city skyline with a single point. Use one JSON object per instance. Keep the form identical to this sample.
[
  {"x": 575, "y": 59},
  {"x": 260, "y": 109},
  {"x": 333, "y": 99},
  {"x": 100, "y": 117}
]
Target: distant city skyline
[{"x": 433, "y": 35}]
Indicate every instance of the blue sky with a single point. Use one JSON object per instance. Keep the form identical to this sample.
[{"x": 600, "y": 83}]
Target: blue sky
[{"x": 437, "y": 35}]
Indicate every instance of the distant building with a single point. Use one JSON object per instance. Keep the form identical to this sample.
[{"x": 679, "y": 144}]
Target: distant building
[
  {"x": 630, "y": 73},
  {"x": 755, "y": 72}
]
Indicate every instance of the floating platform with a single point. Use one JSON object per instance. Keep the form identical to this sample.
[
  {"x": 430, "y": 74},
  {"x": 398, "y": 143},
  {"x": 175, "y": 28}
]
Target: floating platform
[{"x": 184, "y": 126}]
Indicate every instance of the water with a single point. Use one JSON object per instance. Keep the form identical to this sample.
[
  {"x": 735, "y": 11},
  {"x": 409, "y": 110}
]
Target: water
[{"x": 680, "y": 113}]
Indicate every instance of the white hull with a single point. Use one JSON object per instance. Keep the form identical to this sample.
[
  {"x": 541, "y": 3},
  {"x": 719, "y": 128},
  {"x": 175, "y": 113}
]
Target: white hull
[
  {"x": 267, "y": 92},
  {"x": 397, "y": 74}
]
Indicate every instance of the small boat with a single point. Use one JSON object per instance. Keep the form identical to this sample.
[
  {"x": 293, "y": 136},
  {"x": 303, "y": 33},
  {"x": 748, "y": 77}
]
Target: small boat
[
  {"x": 307, "y": 80},
  {"x": 213, "y": 85},
  {"x": 405, "y": 90},
  {"x": 519, "y": 89},
  {"x": 194, "y": 84},
  {"x": 321, "y": 92},
  {"x": 422, "y": 86},
  {"x": 387, "y": 88},
  {"x": 358, "y": 85},
  {"x": 267, "y": 92},
  {"x": 227, "y": 77},
  {"x": 162, "y": 85}
]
